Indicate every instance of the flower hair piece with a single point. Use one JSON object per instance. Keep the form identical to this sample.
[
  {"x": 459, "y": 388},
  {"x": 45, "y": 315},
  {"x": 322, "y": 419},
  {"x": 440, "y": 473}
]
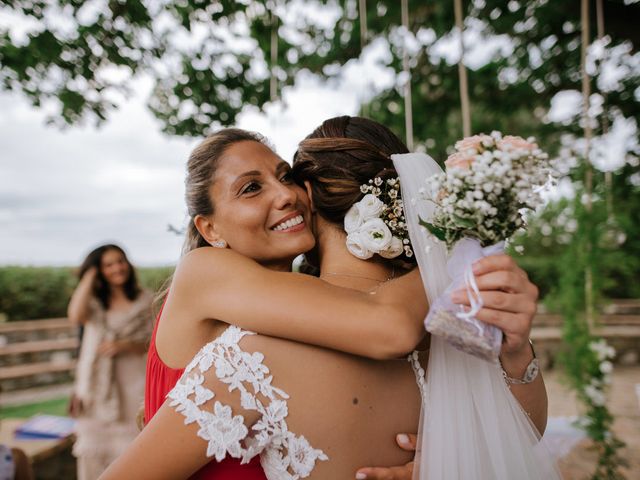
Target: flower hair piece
[{"x": 376, "y": 224}]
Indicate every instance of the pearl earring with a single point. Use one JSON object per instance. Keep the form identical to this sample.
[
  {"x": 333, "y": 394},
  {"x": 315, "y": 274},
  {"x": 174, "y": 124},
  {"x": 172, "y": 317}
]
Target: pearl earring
[{"x": 219, "y": 244}]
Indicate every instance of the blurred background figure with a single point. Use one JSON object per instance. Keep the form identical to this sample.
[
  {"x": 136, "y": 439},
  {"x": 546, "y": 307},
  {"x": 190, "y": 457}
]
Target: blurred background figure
[{"x": 117, "y": 319}]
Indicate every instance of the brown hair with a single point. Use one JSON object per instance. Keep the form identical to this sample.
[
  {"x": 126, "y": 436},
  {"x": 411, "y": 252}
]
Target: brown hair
[
  {"x": 201, "y": 168},
  {"x": 341, "y": 155},
  {"x": 101, "y": 288}
]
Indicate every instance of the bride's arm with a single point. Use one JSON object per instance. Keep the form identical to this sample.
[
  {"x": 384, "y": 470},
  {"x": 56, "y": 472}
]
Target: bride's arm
[{"x": 221, "y": 284}]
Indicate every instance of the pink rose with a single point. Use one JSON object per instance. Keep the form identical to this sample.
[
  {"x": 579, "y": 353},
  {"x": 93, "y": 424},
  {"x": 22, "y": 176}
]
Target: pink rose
[
  {"x": 474, "y": 142},
  {"x": 459, "y": 160},
  {"x": 516, "y": 143}
]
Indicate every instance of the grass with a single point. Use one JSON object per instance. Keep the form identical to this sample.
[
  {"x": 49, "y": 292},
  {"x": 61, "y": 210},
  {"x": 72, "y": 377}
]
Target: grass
[{"x": 56, "y": 406}]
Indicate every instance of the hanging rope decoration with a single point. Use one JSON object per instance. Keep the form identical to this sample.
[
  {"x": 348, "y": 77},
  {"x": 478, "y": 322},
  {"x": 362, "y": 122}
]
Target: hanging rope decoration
[
  {"x": 362, "y": 10},
  {"x": 462, "y": 73},
  {"x": 408, "y": 110},
  {"x": 608, "y": 175},
  {"x": 588, "y": 133},
  {"x": 273, "y": 83}
]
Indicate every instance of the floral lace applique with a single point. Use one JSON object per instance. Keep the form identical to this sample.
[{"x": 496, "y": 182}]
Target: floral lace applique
[{"x": 284, "y": 455}]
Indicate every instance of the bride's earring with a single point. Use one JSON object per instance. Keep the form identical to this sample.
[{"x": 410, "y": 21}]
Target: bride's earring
[{"x": 219, "y": 244}]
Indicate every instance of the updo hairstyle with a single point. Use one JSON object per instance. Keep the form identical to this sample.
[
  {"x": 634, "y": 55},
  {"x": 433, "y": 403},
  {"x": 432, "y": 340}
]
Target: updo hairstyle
[{"x": 341, "y": 155}]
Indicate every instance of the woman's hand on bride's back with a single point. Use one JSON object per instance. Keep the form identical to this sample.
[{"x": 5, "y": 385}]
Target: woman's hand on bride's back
[
  {"x": 405, "y": 472},
  {"x": 510, "y": 300}
]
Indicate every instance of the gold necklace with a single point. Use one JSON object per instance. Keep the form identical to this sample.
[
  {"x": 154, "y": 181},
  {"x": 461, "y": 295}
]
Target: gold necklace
[{"x": 350, "y": 275}]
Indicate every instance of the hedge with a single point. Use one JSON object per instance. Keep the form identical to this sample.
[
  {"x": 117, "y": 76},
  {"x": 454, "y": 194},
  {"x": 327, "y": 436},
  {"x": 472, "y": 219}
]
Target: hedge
[{"x": 43, "y": 292}]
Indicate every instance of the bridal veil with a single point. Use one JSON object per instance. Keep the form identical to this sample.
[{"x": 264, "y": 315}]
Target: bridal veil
[{"x": 471, "y": 427}]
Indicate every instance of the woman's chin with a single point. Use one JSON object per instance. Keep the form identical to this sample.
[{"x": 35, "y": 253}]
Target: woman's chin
[{"x": 118, "y": 282}]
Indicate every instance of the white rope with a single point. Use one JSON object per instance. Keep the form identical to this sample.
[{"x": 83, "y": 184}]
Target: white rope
[{"x": 475, "y": 300}]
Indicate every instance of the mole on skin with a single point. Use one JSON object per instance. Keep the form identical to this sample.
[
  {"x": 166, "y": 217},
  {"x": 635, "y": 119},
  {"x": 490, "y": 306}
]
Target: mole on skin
[{"x": 355, "y": 400}]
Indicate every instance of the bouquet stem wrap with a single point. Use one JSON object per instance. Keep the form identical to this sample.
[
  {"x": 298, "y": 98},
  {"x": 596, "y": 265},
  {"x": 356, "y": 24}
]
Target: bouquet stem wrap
[{"x": 459, "y": 326}]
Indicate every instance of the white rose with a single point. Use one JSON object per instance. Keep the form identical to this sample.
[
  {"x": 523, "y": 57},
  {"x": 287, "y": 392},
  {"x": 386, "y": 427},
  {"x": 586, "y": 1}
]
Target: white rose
[
  {"x": 370, "y": 207},
  {"x": 606, "y": 367},
  {"x": 353, "y": 219},
  {"x": 394, "y": 249},
  {"x": 355, "y": 245},
  {"x": 375, "y": 235}
]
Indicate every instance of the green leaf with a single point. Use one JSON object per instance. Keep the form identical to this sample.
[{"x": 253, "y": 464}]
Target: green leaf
[
  {"x": 464, "y": 222},
  {"x": 437, "y": 232}
]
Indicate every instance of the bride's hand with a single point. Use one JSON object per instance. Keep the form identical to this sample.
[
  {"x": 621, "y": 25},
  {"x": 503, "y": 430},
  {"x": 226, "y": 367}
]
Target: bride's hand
[
  {"x": 405, "y": 472},
  {"x": 510, "y": 301}
]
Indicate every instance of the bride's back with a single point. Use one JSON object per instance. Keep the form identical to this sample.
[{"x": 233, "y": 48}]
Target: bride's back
[{"x": 349, "y": 407}]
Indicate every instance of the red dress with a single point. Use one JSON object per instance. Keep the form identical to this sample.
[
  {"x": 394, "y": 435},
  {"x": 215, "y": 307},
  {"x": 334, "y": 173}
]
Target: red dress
[{"x": 160, "y": 380}]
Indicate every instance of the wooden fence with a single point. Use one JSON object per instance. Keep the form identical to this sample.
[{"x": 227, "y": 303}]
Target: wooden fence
[{"x": 43, "y": 352}]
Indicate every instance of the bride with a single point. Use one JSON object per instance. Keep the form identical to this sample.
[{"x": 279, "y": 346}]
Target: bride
[{"x": 301, "y": 416}]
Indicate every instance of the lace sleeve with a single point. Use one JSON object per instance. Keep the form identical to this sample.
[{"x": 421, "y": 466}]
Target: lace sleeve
[{"x": 222, "y": 366}]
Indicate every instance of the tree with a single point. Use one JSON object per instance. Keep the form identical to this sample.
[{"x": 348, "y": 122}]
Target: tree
[{"x": 212, "y": 59}]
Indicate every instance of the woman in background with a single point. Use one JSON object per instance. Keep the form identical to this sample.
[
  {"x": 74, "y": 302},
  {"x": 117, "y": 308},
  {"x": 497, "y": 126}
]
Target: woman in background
[{"x": 116, "y": 315}]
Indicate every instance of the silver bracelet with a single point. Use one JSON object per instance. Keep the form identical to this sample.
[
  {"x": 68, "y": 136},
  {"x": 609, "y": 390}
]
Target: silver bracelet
[{"x": 530, "y": 374}]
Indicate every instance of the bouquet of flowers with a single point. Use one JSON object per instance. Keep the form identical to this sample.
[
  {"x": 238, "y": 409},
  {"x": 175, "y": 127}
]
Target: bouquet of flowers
[{"x": 480, "y": 199}]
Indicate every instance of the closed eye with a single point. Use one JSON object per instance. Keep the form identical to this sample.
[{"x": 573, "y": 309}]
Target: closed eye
[{"x": 287, "y": 177}]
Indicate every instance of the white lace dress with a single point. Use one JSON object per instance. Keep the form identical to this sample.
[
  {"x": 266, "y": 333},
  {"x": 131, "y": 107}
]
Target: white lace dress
[{"x": 284, "y": 455}]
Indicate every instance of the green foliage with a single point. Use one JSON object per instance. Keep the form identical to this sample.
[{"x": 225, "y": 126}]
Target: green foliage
[
  {"x": 35, "y": 292},
  {"x": 28, "y": 293},
  {"x": 549, "y": 241},
  {"x": 585, "y": 368},
  {"x": 154, "y": 278},
  {"x": 226, "y": 65}
]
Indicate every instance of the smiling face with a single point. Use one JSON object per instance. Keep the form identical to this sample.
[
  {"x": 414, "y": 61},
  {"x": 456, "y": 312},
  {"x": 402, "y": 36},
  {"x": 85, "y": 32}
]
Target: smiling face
[
  {"x": 258, "y": 209},
  {"x": 114, "y": 268}
]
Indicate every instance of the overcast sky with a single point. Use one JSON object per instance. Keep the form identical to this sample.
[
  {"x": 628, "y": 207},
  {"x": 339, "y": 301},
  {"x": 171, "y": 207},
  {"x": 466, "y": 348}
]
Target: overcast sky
[{"x": 64, "y": 192}]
